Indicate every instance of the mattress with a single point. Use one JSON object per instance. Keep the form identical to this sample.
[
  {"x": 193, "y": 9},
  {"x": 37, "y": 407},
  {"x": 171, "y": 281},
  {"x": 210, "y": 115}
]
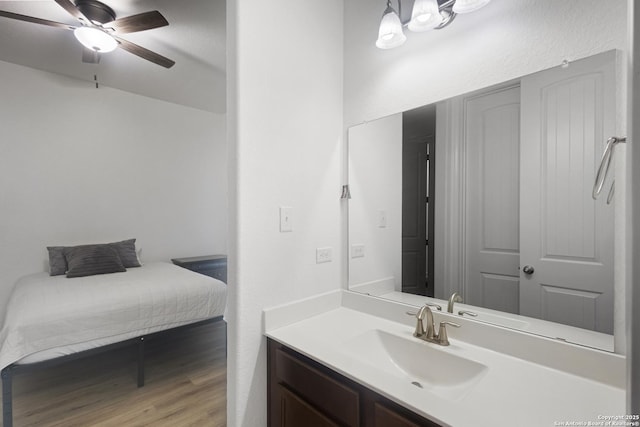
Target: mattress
[{"x": 51, "y": 316}]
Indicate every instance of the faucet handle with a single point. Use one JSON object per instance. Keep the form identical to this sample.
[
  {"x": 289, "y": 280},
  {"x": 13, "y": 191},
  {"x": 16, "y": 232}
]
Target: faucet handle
[
  {"x": 436, "y": 306},
  {"x": 468, "y": 313},
  {"x": 419, "y": 332},
  {"x": 443, "y": 339}
]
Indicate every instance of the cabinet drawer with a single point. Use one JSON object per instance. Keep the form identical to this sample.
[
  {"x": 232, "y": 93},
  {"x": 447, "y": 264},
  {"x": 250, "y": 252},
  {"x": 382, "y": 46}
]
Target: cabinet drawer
[
  {"x": 296, "y": 412},
  {"x": 320, "y": 390},
  {"x": 385, "y": 417}
]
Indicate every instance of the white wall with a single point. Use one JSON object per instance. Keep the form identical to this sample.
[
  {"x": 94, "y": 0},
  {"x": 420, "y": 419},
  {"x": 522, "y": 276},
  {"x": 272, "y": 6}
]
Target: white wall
[
  {"x": 504, "y": 40},
  {"x": 85, "y": 165},
  {"x": 375, "y": 181},
  {"x": 285, "y": 149}
]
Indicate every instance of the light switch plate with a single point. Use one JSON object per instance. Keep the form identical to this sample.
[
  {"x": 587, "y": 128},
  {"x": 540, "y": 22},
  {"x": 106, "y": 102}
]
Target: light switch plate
[{"x": 286, "y": 219}]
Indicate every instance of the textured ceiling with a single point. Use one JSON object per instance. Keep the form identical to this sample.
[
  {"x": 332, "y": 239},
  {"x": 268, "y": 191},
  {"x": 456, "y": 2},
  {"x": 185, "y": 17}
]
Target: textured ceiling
[{"x": 195, "y": 39}]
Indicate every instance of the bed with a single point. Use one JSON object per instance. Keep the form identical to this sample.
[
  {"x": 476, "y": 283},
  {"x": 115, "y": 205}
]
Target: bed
[{"x": 55, "y": 318}]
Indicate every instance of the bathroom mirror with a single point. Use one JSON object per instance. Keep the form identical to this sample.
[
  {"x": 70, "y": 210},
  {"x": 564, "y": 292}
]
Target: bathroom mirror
[{"x": 489, "y": 195}]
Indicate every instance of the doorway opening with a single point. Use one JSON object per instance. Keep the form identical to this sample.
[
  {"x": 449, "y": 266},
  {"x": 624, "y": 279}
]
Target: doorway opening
[{"x": 418, "y": 199}]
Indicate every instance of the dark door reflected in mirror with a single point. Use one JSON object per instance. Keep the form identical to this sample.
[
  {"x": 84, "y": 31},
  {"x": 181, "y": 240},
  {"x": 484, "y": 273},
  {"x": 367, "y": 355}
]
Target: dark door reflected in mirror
[{"x": 418, "y": 200}]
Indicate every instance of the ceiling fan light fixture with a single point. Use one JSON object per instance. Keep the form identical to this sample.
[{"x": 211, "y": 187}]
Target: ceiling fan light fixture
[{"x": 95, "y": 39}]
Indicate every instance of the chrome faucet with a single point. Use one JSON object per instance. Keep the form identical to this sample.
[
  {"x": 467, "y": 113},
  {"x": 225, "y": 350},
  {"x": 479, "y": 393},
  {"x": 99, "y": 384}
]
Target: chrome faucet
[
  {"x": 428, "y": 333},
  {"x": 455, "y": 297},
  {"x": 420, "y": 331}
]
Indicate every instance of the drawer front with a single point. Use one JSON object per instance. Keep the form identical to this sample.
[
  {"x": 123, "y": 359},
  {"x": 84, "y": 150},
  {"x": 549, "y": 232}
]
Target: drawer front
[
  {"x": 296, "y": 412},
  {"x": 385, "y": 417},
  {"x": 320, "y": 390}
]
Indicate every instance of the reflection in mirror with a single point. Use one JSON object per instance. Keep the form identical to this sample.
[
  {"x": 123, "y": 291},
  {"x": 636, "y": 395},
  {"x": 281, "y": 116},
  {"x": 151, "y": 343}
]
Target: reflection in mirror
[{"x": 489, "y": 194}]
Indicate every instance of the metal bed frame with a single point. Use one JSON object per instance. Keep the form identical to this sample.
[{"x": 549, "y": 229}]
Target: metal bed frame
[{"x": 15, "y": 368}]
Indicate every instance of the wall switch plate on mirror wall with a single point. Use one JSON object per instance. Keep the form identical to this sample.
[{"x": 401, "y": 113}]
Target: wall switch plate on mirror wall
[{"x": 357, "y": 251}]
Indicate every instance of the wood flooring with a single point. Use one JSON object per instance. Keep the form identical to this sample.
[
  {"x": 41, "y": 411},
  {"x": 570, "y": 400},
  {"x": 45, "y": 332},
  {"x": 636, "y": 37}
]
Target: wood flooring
[{"x": 185, "y": 386}]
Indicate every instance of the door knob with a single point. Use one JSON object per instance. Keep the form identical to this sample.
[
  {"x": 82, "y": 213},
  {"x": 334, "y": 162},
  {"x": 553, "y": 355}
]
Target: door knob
[{"x": 528, "y": 269}]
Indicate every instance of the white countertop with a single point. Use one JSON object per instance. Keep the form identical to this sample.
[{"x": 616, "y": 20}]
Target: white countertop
[{"x": 511, "y": 391}]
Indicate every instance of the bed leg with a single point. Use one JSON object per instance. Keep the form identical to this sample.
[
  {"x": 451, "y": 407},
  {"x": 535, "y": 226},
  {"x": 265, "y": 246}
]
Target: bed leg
[
  {"x": 7, "y": 412},
  {"x": 141, "y": 362}
]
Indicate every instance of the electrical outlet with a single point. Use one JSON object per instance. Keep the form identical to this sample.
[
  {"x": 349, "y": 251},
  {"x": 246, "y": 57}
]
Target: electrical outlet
[
  {"x": 323, "y": 255},
  {"x": 357, "y": 251},
  {"x": 286, "y": 219}
]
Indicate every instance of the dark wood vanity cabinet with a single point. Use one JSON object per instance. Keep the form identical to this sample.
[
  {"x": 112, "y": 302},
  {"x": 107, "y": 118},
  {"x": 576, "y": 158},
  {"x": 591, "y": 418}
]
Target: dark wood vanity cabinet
[{"x": 304, "y": 393}]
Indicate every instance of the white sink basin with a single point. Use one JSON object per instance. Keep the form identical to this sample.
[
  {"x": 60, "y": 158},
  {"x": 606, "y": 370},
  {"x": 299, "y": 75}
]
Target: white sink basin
[{"x": 425, "y": 365}]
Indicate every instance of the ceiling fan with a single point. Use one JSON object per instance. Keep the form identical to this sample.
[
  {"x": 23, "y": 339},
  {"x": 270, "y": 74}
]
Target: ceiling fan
[{"x": 100, "y": 31}]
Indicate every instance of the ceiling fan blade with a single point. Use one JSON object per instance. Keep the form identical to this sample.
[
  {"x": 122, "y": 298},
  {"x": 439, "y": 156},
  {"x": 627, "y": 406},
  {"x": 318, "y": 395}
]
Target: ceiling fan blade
[
  {"x": 139, "y": 22},
  {"x": 73, "y": 10},
  {"x": 90, "y": 56},
  {"x": 19, "y": 17},
  {"x": 144, "y": 53}
]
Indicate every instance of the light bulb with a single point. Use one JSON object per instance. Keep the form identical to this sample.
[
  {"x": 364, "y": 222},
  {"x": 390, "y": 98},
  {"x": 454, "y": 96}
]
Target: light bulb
[
  {"x": 466, "y": 6},
  {"x": 425, "y": 15},
  {"x": 390, "y": 34},
  {"x": 95, "y": 39}
]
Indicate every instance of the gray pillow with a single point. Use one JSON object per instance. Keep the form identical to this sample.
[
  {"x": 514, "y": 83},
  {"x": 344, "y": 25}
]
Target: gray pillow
[
  {"x": 127, "y": 252},
  {"x": 88, "y": 260},
  {"x": 57, "y": 262}
]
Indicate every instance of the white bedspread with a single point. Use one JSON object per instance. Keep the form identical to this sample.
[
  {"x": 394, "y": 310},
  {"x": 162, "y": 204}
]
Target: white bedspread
[{"x": 46, "y": 313}]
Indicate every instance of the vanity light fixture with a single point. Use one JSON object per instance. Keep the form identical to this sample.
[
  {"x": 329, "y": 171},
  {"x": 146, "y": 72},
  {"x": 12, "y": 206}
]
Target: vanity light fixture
[{"x": 425, "y": 15}]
